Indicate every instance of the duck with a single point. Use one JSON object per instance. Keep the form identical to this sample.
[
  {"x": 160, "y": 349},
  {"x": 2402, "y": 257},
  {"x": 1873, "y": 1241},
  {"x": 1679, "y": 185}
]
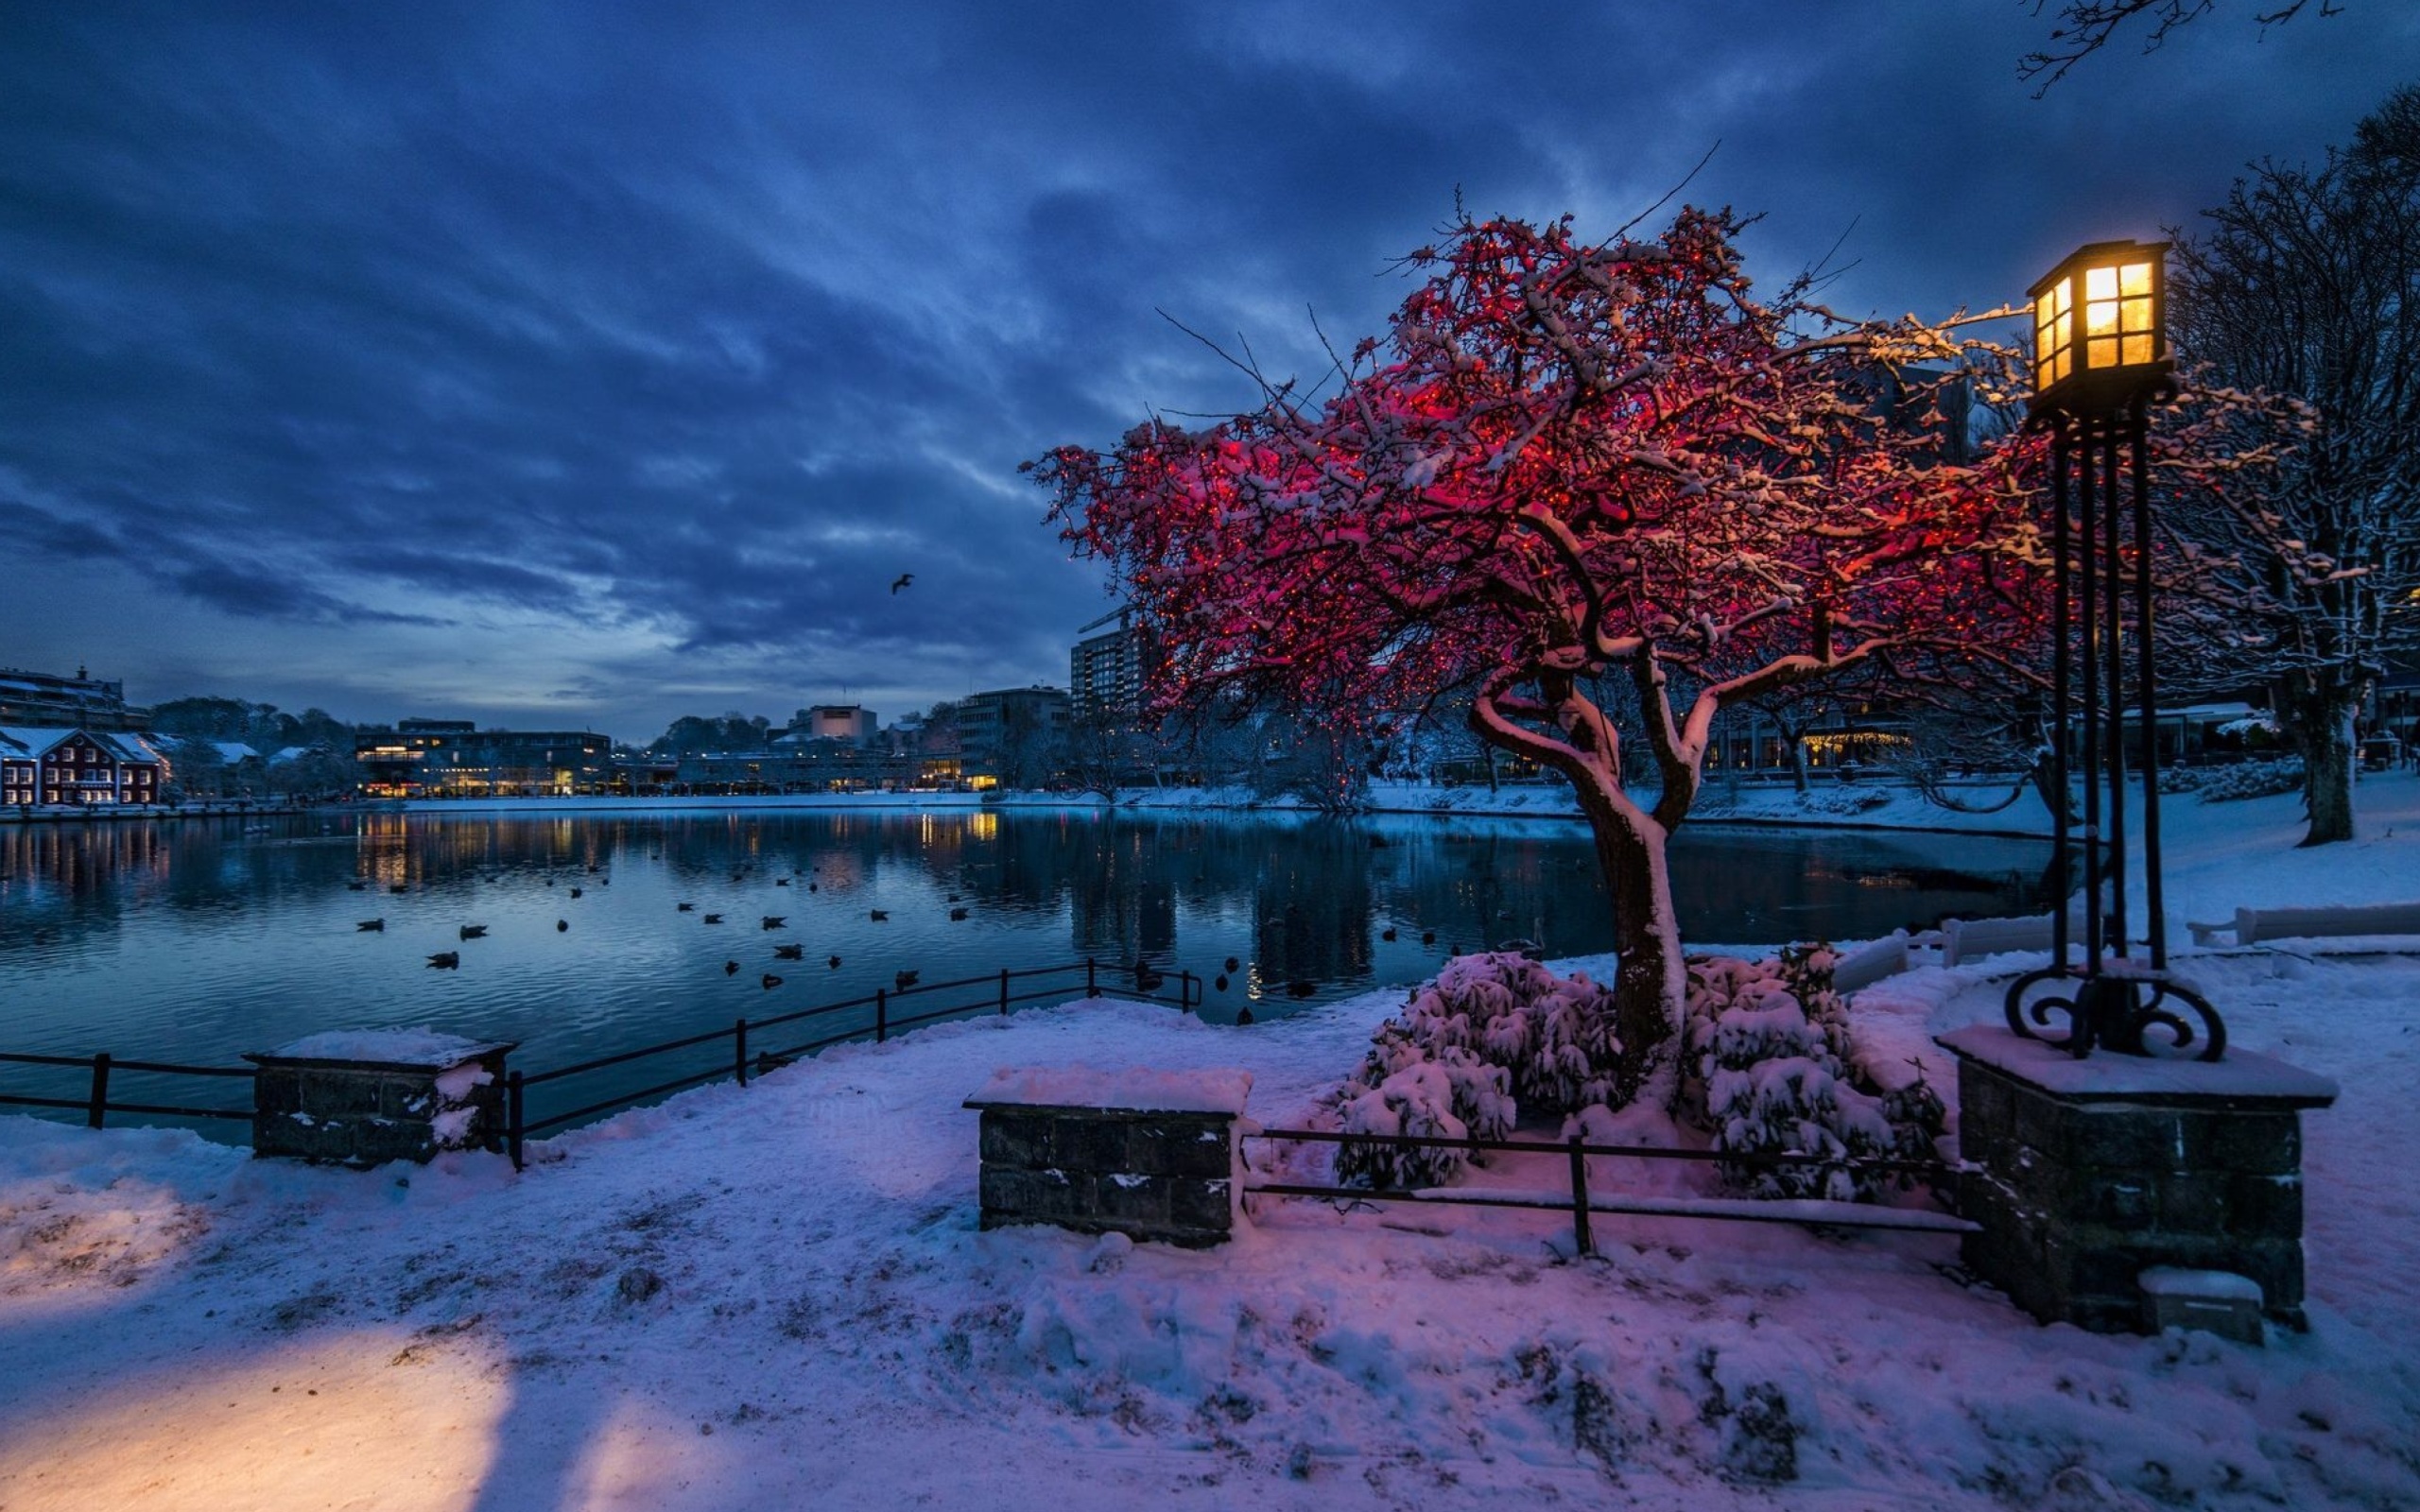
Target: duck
[
  {"x": 574, "y": 892},
  {"x": 561, "y": 925},
  {"x": 371, "y": 926},
  {"x": 1243, "y": 1016},
  {"x": 781, "y": 882},
  {"x": 1428, "y": 936},
  {"x": 731, "y": 968},
  {"x": 953, "y": 897},
  {"x": 446, "y": 960},
  {"x": 1302, "y": 990},
  {"x": 904, "y": 980},
  {"x": 400, "y": 887},
  {"x": 684, "y": 908},
  {"x": 1232, "y": 965},
  {"x": 357, "y": 886},
  {"x": 1221, "y": 984},
  {"x": 834, "y": 962},
  {"x": 789, "y": 953},
  {"x": 775, "y": 920},
  {"x": 1387, "y": 933},
  {"x": 769, "y": 981},
  {"x": 473, "y": 931},
  {"x": 957, "y": 916},
  {"x": 877, "y": 915},
  {"x": 713, "y": 919},
  {"x": 811, "y": 887}
]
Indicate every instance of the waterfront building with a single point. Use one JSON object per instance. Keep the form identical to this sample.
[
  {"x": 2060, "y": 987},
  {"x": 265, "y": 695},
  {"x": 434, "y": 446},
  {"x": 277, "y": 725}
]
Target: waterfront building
[
  {"x": 453, "y": 758},
  {"x": 850, "y": 722},
  {"x": 45, "y": 701},
  {"x": 55, "y": 765},
  {"x": 1016, "y": 736}
]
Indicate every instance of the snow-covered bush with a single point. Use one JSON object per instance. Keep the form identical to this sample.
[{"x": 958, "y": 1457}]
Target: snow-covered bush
[
  {"x": 1769, "y": 1047},
  {"x": 1487, "y": 1035},
  {"x": 2236, "y": 780}
]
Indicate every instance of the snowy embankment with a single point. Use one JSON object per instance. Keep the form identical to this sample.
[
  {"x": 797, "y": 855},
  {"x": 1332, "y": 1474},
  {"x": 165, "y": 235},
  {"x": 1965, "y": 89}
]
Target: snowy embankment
[
  {"x": 778, "y": 1296},
  {"x": 767, "y": 1297}
]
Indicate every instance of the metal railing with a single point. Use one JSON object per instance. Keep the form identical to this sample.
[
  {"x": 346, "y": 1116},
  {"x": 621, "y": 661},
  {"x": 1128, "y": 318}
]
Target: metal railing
[
  {"x": 1581, "y": 1201},
  {"x": 95, "y": 1105},
  {"x": 747, "y": 1055}
]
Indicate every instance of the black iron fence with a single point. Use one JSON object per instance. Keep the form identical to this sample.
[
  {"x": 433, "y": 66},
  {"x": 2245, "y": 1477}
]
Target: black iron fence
[
  {"x": 95, "y": 1105},
  {"x": 1576, "y": 1197},
  {"x": 748, "y": 1048},
  {"x": 744, "y": 1049}
]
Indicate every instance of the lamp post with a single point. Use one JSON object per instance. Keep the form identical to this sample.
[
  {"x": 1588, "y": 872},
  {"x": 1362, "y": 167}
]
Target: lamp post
[{"x": 2100, "y": 362}]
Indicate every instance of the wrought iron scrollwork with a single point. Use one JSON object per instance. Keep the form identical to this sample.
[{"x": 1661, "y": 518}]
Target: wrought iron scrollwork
[{"x": 2115, "y": 1013}]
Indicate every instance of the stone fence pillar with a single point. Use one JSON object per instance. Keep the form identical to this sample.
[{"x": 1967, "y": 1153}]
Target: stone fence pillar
[
  {"x": 1151, "y": 1155},
  {"x": 366, "y": 1097},
  {"x": 2086, "y": 1175}
]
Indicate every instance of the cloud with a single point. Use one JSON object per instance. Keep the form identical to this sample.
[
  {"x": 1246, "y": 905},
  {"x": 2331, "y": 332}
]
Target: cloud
[{"x": 628, "y": 358}]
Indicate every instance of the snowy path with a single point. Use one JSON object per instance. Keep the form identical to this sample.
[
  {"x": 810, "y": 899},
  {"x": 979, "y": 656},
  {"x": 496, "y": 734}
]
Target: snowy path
[{"x": 759, "y": 1298}]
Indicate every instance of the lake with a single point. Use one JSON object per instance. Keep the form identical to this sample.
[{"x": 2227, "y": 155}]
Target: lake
[{"x": 194, "y": 940}]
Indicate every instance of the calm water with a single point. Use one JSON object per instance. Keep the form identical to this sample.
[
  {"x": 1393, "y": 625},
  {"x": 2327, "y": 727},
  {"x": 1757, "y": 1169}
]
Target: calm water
[{"x": 195, "y": 940}]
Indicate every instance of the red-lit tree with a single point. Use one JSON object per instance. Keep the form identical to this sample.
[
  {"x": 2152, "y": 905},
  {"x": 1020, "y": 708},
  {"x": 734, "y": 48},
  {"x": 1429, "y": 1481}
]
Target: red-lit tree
[{"x": 1570, "y": 461}]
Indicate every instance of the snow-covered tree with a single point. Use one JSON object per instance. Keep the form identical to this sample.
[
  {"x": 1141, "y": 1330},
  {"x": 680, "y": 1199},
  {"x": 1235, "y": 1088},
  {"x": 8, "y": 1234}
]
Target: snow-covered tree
[
  {"x": 2306, "y": 284},
  {"x": 1569, "y": 460}
]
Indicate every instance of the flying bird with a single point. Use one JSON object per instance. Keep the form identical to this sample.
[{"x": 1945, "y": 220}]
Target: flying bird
[{"x": 902, "y": 580}]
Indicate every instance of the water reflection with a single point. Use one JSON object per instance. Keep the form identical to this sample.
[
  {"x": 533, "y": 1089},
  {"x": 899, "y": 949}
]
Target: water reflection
[{"x": 198, "y": 939}]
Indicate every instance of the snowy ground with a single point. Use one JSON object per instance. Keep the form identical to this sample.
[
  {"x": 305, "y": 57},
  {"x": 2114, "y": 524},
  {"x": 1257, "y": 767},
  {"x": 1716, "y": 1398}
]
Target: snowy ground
[{"x": 768, "y": 1298}]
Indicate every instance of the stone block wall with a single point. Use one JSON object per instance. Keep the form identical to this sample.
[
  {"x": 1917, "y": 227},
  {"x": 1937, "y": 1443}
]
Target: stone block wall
[
  {"x": 2082, "y": 1184},
  {"x": 1151, "y": 1174},
  {"x": 367, "y": 1112}
]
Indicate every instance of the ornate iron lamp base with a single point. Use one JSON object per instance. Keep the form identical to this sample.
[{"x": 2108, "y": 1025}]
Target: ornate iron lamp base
[{"x": 2113, "y": 1007}]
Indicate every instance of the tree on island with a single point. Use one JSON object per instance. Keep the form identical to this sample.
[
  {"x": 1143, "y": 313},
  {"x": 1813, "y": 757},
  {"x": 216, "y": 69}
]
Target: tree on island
[{"x": 1571, "y": 460}]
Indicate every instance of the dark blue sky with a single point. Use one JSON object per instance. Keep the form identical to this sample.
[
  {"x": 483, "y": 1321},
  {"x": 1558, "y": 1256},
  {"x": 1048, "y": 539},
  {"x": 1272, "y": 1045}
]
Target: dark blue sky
[{"x": 574, "y": 363}]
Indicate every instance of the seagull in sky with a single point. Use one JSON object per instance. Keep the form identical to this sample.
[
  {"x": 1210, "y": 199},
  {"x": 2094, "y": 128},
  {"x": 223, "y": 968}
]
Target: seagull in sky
[{"x": 902, "y": 581}]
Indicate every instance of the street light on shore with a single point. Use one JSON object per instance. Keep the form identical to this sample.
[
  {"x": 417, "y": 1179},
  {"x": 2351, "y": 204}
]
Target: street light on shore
[{"x": 2099, "y": 363}]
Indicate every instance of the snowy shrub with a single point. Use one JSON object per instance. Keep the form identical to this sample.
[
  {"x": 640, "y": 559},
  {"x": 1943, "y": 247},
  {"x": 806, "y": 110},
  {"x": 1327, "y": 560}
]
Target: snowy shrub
[
  {"x": 1769, "y": 1047},
  {"x": 2236, "y": 780},
  {"x": 1488, "y": 1034}
]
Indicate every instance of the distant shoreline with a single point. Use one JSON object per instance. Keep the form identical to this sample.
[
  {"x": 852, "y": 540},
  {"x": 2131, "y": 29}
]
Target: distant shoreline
[{"x": 1867, "y": 806}]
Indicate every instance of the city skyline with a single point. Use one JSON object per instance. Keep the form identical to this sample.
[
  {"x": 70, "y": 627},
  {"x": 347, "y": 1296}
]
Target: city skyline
[{"x": 561, "y": 369}]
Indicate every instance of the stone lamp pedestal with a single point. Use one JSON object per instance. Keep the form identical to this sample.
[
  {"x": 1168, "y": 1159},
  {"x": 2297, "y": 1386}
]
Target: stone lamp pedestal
[{"x": 2087, "y": 1174}]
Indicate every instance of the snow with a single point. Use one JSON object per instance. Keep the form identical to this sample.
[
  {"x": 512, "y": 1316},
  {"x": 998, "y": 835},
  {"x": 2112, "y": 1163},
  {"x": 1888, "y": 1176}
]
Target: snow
[
  {"x": 778, "y": 1296},
  {"x": 2241, "y": 1074},
  {"x": 1125, "y": 1088},
  {"x": 2175, "y": 1280},
  {"x": 422, "y": 1046}
]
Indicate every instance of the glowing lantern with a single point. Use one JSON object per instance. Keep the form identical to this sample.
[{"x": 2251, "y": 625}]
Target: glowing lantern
[{"x": 2099, "y": 327}]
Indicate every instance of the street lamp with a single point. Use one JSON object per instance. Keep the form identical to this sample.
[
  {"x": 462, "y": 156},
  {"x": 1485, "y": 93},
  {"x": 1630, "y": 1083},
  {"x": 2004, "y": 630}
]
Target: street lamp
[{"x": 2100, "y": 362}]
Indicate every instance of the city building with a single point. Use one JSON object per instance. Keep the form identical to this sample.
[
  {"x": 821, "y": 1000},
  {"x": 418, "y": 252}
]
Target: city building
[
  {"x": 1105, "y": 673},
  {"x": 42, "y": 702},
  {"x": 850, "y": 722},
  {"x": 1016, "y": 737},
  {"x": 50, "y": 765},
  {"x": 453, "y": 758}
]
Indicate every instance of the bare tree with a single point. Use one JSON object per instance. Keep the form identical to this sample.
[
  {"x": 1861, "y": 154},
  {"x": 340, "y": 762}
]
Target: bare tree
[
  {"x": 2084, "y": 26},
  {"x": 2307, "y": 284}
]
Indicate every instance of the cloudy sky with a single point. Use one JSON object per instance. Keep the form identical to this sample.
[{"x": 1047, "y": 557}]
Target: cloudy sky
[{"x": 582, "y": 365}]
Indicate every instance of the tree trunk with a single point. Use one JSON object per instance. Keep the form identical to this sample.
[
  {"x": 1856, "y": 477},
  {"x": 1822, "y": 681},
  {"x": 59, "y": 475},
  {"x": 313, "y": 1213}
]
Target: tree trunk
[
  {"x": 2319, "y": 714},
  {"x": 1798, "y": 762},
  {"x": 2328, "y": 781},
  {"x": 1650, "y": 983}
]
